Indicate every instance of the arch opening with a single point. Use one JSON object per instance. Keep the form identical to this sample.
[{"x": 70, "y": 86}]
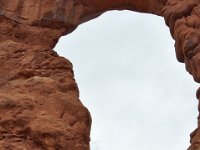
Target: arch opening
[{"x": 144, "y": 79}]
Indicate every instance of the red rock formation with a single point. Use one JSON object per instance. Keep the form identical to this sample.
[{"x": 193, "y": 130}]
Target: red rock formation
[
  {"x": 183, "y": 18},
  {"x": 39, "y": 99}
]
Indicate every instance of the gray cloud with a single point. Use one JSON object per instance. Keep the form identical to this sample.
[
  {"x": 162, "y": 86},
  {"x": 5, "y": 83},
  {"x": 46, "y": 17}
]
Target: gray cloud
[{"x": 139, "y": 96}]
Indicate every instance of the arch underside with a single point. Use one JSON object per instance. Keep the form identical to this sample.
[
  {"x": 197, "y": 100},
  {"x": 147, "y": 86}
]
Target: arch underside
[{"x": 39, "y": 98}]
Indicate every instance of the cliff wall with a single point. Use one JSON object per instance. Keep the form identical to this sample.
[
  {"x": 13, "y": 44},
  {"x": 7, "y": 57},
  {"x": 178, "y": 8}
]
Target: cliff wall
[{"x": 39, "y": 99}]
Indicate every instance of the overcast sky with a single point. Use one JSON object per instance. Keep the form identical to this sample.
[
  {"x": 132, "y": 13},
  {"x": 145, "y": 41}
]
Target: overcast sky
[{"x": 140, "y": 97}]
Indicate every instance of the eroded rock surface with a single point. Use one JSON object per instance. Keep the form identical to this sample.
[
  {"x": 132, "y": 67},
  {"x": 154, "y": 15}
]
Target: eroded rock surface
[{"x": 39, "y": 99}]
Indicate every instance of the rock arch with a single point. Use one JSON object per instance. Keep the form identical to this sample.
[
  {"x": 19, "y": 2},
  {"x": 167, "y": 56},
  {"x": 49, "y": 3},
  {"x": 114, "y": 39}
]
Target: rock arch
[{"x": 39, "y": 104}]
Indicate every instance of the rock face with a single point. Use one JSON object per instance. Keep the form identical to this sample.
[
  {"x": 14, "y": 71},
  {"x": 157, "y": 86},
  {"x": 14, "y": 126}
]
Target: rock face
[{"x": 39, "y": 99}]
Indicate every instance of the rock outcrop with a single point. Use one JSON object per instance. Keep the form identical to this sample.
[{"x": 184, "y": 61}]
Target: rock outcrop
[{"x": 39, "y": 99}]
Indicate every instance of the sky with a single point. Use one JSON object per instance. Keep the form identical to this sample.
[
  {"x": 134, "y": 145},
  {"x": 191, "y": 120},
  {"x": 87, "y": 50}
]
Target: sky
[{"x": 140, "y": 97}]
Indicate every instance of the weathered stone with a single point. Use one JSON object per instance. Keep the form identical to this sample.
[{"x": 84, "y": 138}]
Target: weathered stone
[{"x": 39, "y": 99}]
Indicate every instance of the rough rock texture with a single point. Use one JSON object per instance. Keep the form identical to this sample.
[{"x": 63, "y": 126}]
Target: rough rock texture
[
  {"x": 183, "y": 18},
  {"x": 39, "y": 99}
]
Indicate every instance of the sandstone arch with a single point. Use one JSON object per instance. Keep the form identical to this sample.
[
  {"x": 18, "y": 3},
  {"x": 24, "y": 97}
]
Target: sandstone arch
[{"x": 31, "y": 72}]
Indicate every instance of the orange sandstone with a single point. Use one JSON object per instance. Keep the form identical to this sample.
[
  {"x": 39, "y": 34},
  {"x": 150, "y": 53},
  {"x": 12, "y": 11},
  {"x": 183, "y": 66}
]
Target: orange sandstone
[{"x": 39, "y": 98}]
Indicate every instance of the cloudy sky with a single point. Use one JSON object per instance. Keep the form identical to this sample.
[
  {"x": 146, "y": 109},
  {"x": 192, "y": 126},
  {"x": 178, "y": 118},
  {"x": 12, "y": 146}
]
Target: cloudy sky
[{"x": 139, "y": 96}]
